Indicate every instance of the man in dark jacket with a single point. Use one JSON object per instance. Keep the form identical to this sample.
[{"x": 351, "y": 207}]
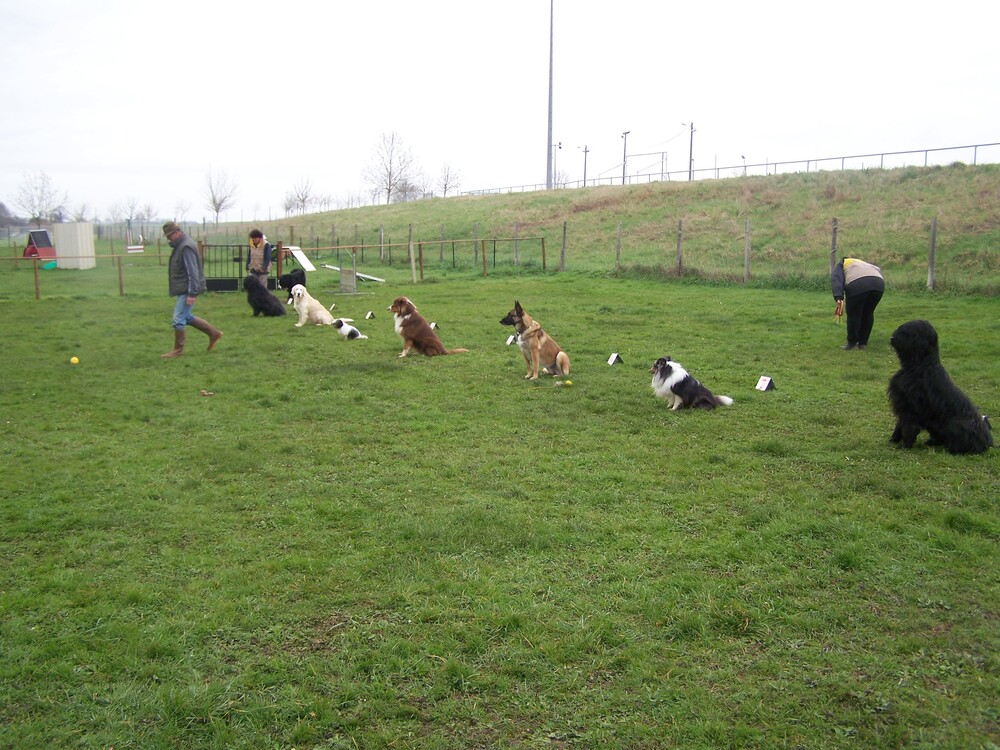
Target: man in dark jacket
[
  {"x": 862, "y": 285},
  {"x": 187, "y": 281}
]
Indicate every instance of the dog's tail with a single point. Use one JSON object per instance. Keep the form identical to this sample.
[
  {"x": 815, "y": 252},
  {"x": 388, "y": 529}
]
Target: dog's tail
[
  {"x": 724, "y": 400},
  {"x": 455, "y": 351},
  {"x": 562, "y": 362}
]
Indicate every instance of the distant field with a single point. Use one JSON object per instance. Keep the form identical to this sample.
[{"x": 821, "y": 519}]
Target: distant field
[
  {"x": 340, "y": 548},
  {"x": 885, "y": 216}
]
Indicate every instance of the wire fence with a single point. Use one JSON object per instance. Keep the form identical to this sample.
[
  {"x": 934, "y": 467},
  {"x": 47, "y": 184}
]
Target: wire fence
[
  {"x": 654, "y": 167},
  {"x": 937, "y": 255}
]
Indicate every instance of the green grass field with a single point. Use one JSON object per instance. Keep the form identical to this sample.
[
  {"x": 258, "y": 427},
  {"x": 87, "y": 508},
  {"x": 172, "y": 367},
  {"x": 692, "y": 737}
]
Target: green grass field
[{"x": 344, "y": 549}]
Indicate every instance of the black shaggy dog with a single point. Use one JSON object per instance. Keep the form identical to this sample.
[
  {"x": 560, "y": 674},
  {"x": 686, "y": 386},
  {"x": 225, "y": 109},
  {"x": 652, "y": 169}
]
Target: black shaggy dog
[
  {"x": 287, "y": 280},
  {"x": 261, "y": 301},
  {"x": 923, "y": 397}
]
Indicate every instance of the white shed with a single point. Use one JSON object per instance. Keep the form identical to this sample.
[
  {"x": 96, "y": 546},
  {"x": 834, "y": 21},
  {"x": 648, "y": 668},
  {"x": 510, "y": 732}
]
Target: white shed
[{"x": 74, "y": 245}]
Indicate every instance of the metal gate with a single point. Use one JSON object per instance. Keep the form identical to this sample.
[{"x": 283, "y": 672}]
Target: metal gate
[{"x": 226, "y": 267}]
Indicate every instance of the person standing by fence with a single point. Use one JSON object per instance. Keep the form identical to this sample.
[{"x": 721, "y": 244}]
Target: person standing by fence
[
  {"x": 186, "y": 281},
  {"x": 857, "y": 289},
  {"x": 259, "y": 257}
]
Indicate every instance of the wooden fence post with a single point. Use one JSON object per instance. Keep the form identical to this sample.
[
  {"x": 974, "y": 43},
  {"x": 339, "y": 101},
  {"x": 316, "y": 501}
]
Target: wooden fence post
[
  {"x": 746, "y": 252},
  {"x": 930, "y": 254},
  {"x": 562, "y": 251},
  {"x": 618, "y": 248},
  {"x": 833, "y": 247},
  {"x": 409, "y": 250},
  {"x": 679, "y": 233}
]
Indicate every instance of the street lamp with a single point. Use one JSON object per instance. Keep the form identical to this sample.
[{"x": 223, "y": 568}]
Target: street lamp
[
  {"x": 744, "y": 165},
  {"x": 555, "y": 172},
  {"x": 585, "y": 152},
  {"x": 624, "y": 153}
]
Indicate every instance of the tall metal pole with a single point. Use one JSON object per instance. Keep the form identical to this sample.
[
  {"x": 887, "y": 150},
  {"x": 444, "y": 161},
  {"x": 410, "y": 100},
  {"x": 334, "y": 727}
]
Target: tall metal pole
[
  {"x": 691, "y": 155},
  {"x": 624, "y": 153},
  {"x": 548, "y": 149},
  {"x": 585, "y": 152}
]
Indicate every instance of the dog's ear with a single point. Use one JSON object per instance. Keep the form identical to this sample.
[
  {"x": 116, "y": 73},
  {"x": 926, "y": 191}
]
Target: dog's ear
[{"x": 517, "y": 307}]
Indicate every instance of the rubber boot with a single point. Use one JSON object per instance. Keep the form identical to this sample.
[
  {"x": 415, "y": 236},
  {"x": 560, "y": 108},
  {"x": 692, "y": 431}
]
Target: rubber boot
[
  {"x": 214, "y": 334},
  {"x": 178, "y": 349}
]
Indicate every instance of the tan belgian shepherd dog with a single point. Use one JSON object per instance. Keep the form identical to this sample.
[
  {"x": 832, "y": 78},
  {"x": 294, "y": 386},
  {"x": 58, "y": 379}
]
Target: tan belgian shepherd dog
[{"x": 537, "y": 348}]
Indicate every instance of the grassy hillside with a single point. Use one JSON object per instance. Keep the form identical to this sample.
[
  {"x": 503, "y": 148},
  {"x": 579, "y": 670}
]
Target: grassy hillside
[{"x": 883, "y": 215}]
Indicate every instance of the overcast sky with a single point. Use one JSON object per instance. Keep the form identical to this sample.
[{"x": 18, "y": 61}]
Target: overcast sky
[{"x": 123, "y": 99}]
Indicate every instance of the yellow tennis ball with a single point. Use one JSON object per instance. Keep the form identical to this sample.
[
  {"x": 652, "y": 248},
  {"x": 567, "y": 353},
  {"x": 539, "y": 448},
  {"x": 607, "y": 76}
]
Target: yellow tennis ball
[
  {"x": 74, "y": 360},
  {"x": 567, "y": 382}
]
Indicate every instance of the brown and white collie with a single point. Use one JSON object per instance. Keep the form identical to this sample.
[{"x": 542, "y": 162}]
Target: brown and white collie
[{"x": 415, "y": 331}]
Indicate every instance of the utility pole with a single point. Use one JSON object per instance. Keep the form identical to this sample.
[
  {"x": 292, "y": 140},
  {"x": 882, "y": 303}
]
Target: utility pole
[
  {"x": 585, "y": 152},
  {"x": 548, "y": 149},
  {"x": 624, "y": 153},
  {"x": 691, "y": 155}
]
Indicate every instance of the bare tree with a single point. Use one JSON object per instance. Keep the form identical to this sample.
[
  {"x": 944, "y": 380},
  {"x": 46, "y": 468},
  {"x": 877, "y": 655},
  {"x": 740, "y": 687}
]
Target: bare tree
[
  {"x": 220, "y": 192},
  {"x": 288, "y": 203},
  {"x": 302, "y": 195},
  {"x": 413, "y": 188},
  {"x": 80, "y": 212},
  {"x": 390, "y": 167},
  {"x": 180, "y": 209},
  {"x": 130, "y": 208},
  {"x": 450, "y": 179},
  {"x": 6, "y": 217},
  {"x": 39, "y": 200}
]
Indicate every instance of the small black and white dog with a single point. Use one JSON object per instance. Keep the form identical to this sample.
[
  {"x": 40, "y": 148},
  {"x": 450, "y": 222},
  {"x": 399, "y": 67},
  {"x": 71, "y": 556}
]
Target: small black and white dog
[
  {"x": 672, "y": 382},
  {"x": 345, "y": 329},
  {"x": 287, "y": 280},
  {"x": 260, "y": 299},
  {"x": 923, "y": 396}
]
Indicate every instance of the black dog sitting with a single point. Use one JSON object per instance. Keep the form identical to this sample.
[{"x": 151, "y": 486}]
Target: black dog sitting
[
  {"x": 923, "y": 397},
  {"x": 261, "y": 301},
  {"x": 287, "y": 280}
]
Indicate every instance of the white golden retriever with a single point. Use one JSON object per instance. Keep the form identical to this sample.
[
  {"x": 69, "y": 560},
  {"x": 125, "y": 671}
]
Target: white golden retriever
[{"x": 309, "y": 308}]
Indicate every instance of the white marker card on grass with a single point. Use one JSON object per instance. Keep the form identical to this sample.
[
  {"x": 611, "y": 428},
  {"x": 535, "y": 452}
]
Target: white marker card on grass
[
  {"x": 615, "y": 359},
  {"x": 369, "y": 315},
  {"x": 764, "y": 384}
]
